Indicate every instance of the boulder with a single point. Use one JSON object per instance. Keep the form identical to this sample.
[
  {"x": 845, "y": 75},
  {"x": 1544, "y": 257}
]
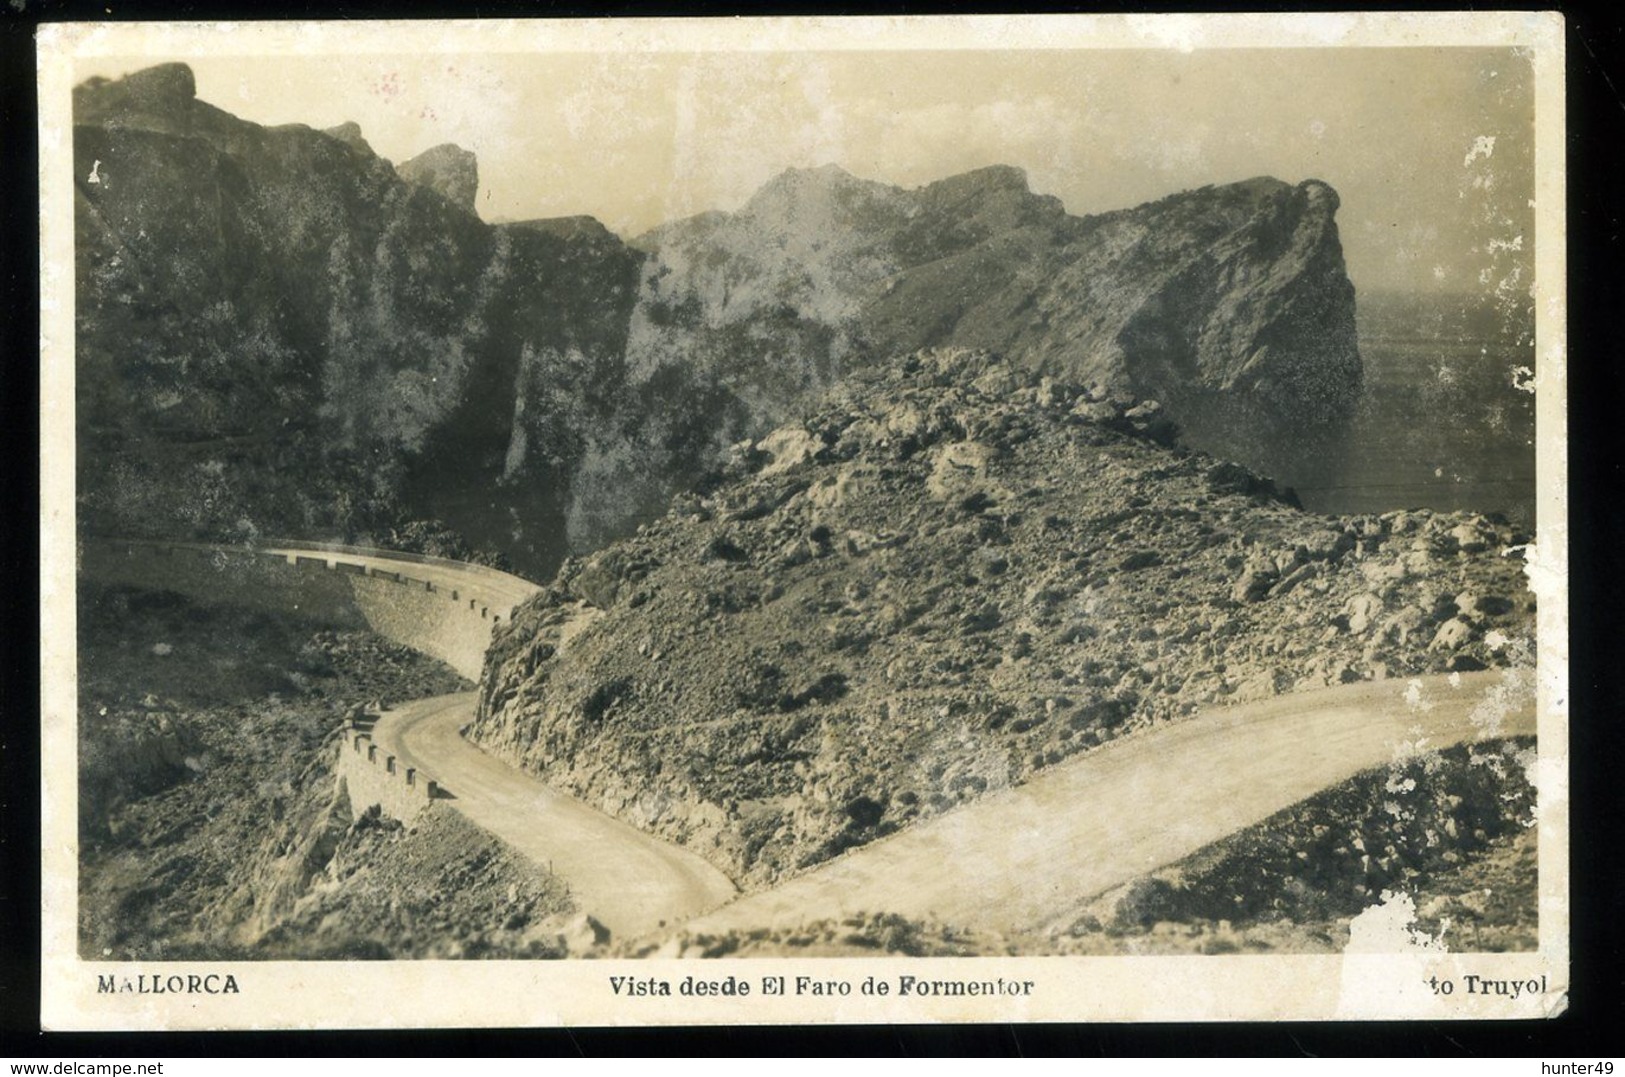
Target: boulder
[
  {"x": 1475, "y": 607},
  {"x": 905, "y": 420},
  {"x": 997, "y": 382},
  {"x": 1469, "y": 538},
  {"x": 1362, "y": 610},
  {"x": 1097, "y": 411},
  {"x": 349, "y": 133},
  {"x": 1327, "y": 545},
  {"x": 788, "y": 446},
  {"x": 1452, "y": 634},
  {"x": 1254, "y": 585},
  {"x": 599, "y": 581},
  {"x": 851, "y": 481},
  {"x": 959, "y": 467},
  {"x": 1402, "y": 625},
  {"x": 1292, "y": 580}
]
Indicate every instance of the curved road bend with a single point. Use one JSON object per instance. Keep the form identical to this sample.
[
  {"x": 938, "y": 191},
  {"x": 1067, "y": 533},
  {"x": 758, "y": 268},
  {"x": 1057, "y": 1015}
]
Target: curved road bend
[
  {"x": 1023, "y": 858},
  {"x": 1033, "y": 856},
  {"x": 630, "y": 881},
  {"x": 503, "y": 590}
]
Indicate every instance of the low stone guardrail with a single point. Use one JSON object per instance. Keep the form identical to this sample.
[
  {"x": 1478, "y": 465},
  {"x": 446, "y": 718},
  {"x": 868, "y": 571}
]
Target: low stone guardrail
[
  {"x": 436, "y": 616},
  {"x": 500, "y": 586},
  {"x": 486, "y": 587},
  {"x": 373, "y": 776}
]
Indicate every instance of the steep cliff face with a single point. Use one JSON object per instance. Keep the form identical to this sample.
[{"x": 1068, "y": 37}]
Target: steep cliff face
[
  {"x": 279, "y": 331},
  {"x": 947, "y": 575},
  {"x": 1229, "y": 304},
  {"x": 1237, "y": 289},
  {"x": 276, "y": 332}
]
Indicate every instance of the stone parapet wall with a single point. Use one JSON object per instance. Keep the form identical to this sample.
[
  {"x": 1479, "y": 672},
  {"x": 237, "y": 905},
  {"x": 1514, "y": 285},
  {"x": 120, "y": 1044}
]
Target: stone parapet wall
[
  {"x": 440, "y": 608},
  {"x": 449, "y": 617},
  {"x": 373, "y": 776},
  {"x": 491, "y": 578}
]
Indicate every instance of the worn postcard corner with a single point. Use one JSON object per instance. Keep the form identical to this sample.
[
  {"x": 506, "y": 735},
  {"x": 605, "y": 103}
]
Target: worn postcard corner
[{"x": 650, "y": 522}]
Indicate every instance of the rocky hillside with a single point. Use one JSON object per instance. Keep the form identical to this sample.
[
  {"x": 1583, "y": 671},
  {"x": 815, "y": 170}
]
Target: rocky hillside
[
  {"x": 950, "y": 574},
  {"x": 1421, "y": 826},
  {"x": 280, "y": 332},
  {"x": 213, "y": 824},
  {"x": 1229, "y": 304}
]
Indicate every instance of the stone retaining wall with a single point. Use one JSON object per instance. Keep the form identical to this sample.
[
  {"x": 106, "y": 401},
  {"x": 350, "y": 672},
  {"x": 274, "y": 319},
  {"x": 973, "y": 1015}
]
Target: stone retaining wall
[
  {"x": 452, "y": 624},
  {"x": 449, "y": 617},
  {"x": 372, "y": 776}
]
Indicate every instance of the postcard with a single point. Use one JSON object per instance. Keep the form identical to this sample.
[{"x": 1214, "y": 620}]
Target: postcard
[{"x": 803, "y": 520}]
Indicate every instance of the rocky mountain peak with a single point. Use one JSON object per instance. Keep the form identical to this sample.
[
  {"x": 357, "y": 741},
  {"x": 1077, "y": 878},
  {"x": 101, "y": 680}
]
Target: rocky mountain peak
[
  {"x": 349, "y": 133},
  {"x": 161, "y": 85},
  {"x": 802, "y": 192},
  {"x": 1321, "y": 195},
  {"x": 621, "y": 377},
  {"x": 983, "y": 181},
  {"x": 986, "y": 202},
  {"x": 156, "y": 98},
  {"x": 448, "y": 170},
  {"x": 825, "y": 176},
  {"x": 1230, "y": 304}
]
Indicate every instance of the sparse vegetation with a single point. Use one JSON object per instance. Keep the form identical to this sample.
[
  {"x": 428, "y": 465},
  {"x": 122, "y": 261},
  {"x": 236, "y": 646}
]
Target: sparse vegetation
[
  {"x": 948, "y": 577},
  {"x": 931, "y": 535},
  {"x": 213, "y": 827}
]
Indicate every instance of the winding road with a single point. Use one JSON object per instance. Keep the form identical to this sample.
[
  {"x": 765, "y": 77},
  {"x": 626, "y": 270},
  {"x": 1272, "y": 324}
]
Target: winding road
[
  {"x": 1022, "y": 858},
  {"x": 1025, "y": 858},
  {"x": 631, "y": 882},
  {"x": 502, "y": 590},
  {"x": 1033, "y": 856}
]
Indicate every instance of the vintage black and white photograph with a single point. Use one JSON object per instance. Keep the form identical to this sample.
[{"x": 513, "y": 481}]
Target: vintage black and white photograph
[{"x": 807, "y": 490}]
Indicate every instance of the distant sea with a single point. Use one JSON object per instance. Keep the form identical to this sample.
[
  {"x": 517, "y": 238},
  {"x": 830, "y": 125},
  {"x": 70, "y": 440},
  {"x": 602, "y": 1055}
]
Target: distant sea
[{"x": 1442, "y": 424}]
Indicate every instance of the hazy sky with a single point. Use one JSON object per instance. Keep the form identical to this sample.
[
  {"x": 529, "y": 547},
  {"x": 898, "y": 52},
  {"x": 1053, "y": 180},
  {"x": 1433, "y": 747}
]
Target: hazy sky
[{"x": 1431, "y": 149}]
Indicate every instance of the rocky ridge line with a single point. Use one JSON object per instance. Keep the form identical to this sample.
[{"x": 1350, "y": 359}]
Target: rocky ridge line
[
  {"x": 1228, "y": 304},
  {"x": 951, "y": 574},
  {"x": 279, "y": 334}
]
